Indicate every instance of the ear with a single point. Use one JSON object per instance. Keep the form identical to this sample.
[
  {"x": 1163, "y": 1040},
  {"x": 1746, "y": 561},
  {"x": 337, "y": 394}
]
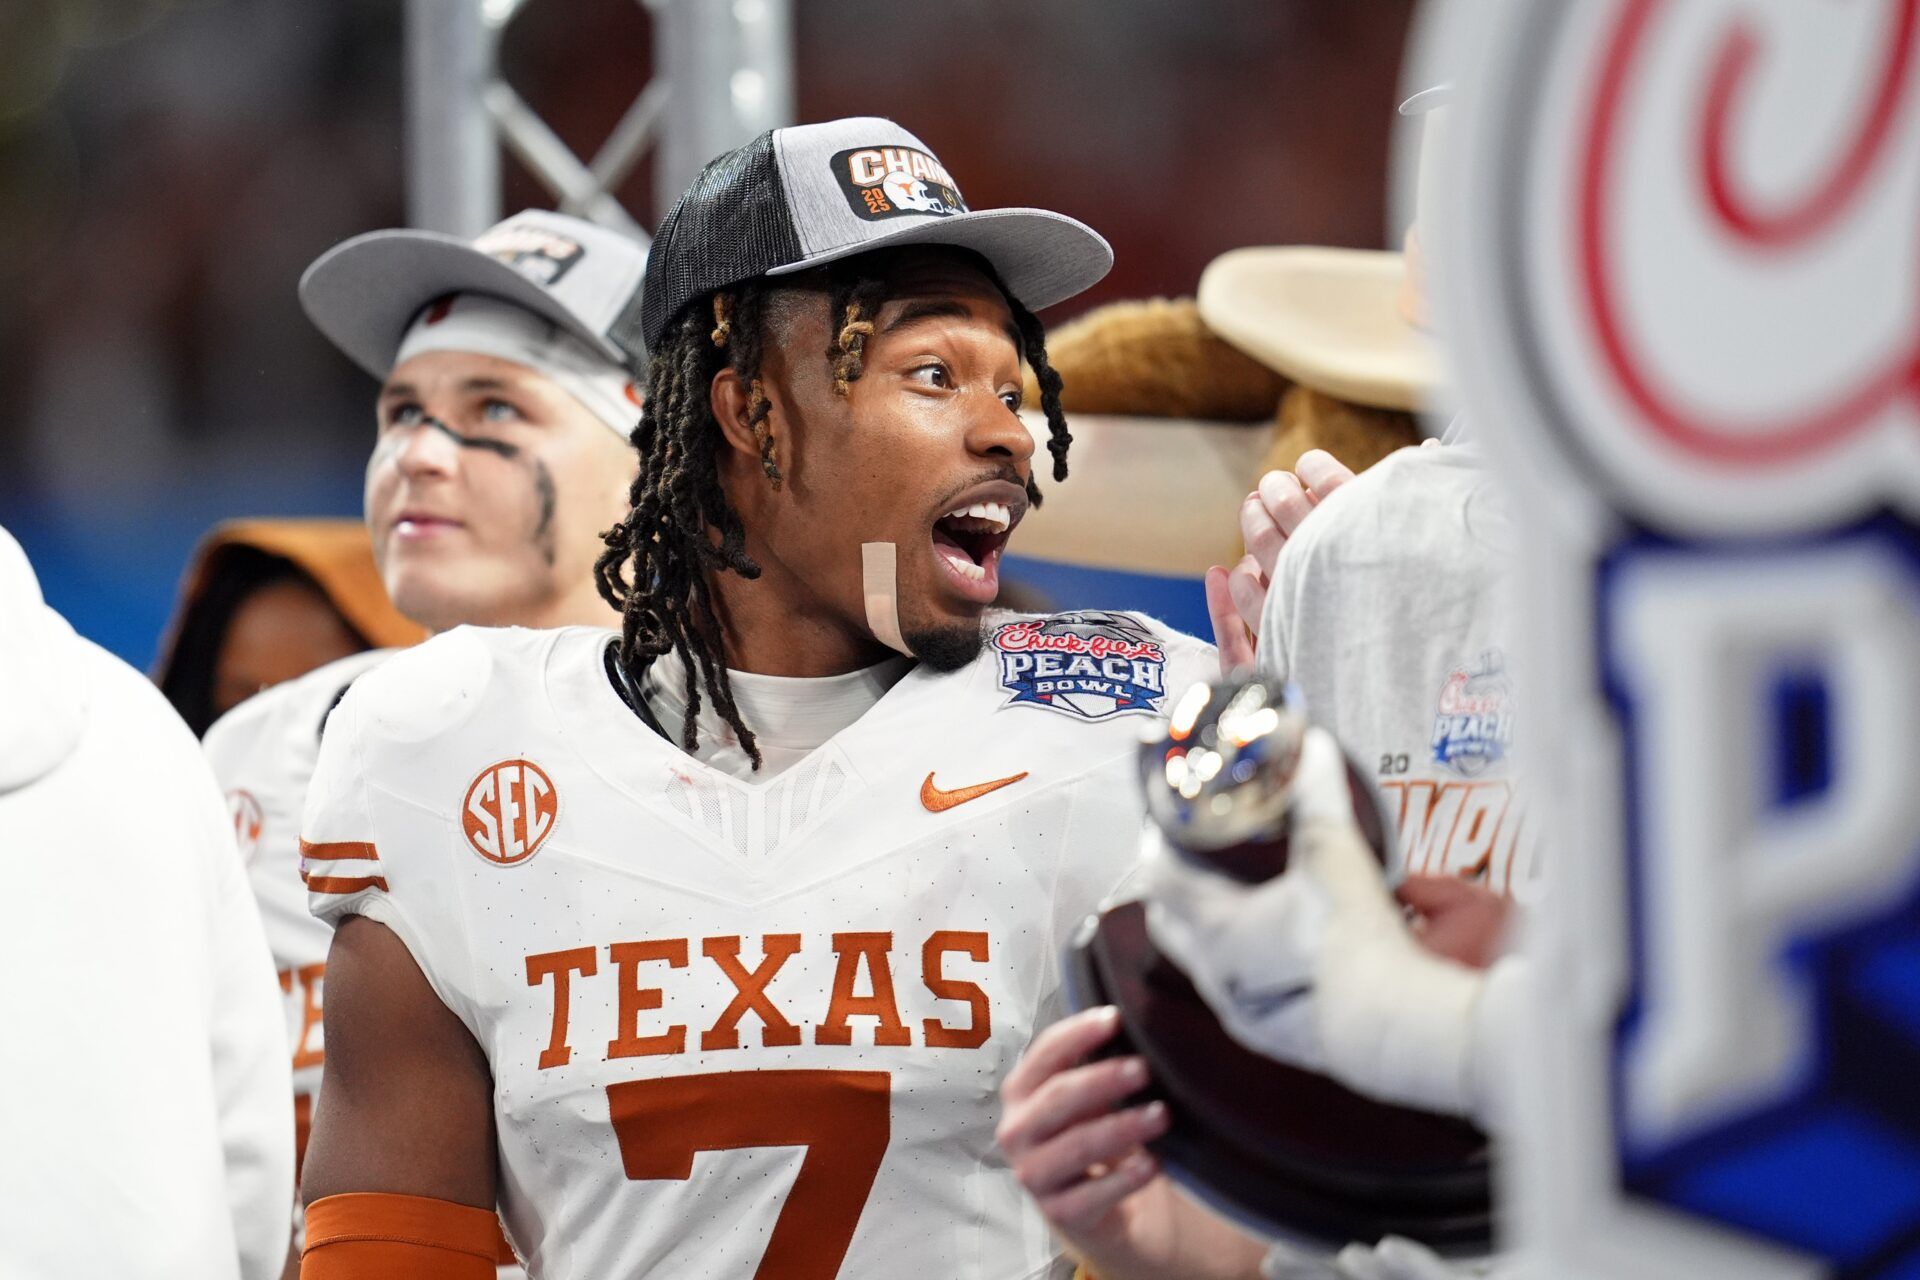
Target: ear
[{"x": 732, "y": 403}]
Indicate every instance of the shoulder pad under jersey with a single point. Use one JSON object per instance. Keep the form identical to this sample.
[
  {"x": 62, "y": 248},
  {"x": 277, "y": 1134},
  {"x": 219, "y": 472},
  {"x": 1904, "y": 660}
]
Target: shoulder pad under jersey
[{"x": 435, "y": 686}]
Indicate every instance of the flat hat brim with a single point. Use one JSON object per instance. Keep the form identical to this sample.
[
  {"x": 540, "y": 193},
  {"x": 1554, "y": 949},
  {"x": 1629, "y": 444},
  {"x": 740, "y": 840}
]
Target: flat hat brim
[
  {"x": 362, "y": 294},
  {"x": 1043, "y": 258},
  {"x": 1329, "y": 319}
]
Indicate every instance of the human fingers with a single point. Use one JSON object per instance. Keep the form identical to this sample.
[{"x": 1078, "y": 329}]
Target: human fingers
[
  {"x": 1058, "y": 1047},
  {"x": 1075, "y": 1095},
  {"x": 1082, "y": 1149},
  {"x": 1248, "y": 590},
  {"x": 1229, "y": 629},
  {"x": 1436, "y": 895},
  {"x": 1466, "y": 923},
  {"x": 1321, "y": 473},
  {"x": 1285, "y": 499},
  {"x": 1081, "y": 1208},
  {"x": 1260, "y": 532},
  {"x": 1248, "y": 587}
]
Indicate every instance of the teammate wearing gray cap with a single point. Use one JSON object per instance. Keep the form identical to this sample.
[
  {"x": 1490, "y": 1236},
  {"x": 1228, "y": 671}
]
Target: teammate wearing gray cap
[
  {"x": 500, "y": 454},
  {"x": 699, "y": 948},
  {"x": 489, "y": 484}
]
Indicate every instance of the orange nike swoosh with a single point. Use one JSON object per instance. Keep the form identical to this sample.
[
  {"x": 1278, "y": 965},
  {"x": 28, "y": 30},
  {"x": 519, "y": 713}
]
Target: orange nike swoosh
[{"x": 939, "y": 801}]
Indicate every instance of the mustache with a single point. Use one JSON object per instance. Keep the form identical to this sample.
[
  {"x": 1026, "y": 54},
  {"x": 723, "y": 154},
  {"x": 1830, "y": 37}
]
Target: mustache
[{"x": 1008, "y": 474}]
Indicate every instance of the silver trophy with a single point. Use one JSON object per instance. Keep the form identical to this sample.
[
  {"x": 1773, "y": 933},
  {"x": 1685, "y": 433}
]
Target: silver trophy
[
  {"x": 1267, "y": 1142},
  {"x": 1218, "y": 775}
]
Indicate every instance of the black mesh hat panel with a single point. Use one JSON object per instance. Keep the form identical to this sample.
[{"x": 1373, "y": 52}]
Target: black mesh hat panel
[{"x": 732, "y": 224}]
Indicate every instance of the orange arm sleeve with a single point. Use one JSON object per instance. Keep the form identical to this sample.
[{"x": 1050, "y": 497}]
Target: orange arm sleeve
[{"x": 370, "y": 1236}]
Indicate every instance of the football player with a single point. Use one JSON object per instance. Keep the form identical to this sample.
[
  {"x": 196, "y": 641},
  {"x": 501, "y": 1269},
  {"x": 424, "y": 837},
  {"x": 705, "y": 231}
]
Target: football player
[
  {"x": 499, "y": 456},
  {"x": 701, "y": 948}
]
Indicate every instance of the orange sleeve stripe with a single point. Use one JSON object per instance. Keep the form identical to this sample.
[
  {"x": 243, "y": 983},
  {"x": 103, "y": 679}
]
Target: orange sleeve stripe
[
  {"x": 343, "y": 884},
  {"x": 330, "y": 850},
  {"x": 369, "y": 1235}
]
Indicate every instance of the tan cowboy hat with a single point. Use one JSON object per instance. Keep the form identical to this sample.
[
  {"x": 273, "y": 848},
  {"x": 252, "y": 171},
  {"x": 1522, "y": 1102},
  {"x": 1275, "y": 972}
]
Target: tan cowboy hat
[
  {"x": 1333, "y": 319},
  {"x": 1347, "y": 322}
]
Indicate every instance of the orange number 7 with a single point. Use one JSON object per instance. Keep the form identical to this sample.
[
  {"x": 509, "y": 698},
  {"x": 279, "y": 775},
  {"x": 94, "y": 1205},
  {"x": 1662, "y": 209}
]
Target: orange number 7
[{"x": 840, "y": 1117}]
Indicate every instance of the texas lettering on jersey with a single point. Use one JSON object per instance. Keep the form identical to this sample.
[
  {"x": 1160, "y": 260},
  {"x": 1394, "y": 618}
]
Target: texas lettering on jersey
[{"x": 863, "y": 988}]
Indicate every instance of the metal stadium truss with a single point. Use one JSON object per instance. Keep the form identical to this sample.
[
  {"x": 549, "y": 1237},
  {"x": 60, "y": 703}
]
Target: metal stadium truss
[{"x": 722, "y": 73}]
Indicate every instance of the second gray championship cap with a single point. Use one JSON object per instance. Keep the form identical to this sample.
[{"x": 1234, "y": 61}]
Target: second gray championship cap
[
  {"x": 815, "y": 193},
  {"x": 578, "y": 276}
]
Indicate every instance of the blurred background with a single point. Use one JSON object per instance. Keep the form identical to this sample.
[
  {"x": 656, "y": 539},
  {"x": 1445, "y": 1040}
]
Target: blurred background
[{"x": 168, "y": 168}]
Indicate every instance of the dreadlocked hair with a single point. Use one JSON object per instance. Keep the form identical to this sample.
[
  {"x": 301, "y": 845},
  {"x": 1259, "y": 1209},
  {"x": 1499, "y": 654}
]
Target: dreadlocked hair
[
  {"x": 1033, "y": 349},
  {"x": 656, "y": 566}
]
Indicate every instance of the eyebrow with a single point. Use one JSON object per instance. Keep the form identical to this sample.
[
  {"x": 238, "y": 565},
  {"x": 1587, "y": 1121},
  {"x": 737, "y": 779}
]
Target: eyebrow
[
  {"x": 941, "y": 309},
  {"x": 395, "y": 390}
]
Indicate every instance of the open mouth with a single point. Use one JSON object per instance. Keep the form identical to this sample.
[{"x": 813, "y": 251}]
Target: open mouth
[{"x": 967, "y": 542}]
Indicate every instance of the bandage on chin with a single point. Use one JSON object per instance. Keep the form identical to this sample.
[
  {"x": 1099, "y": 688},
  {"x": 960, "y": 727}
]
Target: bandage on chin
[{"x": 879, "y": 565}]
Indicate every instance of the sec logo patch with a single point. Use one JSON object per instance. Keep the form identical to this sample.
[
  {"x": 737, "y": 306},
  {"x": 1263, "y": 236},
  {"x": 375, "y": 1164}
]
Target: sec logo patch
[{"x": 510, "y": 811}]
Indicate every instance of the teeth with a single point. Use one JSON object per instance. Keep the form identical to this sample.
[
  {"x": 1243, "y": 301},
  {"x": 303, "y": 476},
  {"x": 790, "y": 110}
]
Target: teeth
[{"x": 997, "y": 512}]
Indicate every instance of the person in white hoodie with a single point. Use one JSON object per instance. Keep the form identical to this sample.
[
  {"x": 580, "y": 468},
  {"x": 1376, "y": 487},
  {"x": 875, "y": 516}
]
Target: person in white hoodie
[{"x": 145, "y": 1105}]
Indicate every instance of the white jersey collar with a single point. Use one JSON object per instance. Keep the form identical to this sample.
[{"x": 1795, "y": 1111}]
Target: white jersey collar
[{"x": 790, "y": 716}]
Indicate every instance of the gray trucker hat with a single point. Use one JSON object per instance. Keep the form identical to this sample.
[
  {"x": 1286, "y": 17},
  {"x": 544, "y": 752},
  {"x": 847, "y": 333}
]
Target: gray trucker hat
[
  {"x": 799, "y": 197},
  {"x": 578, "y": 276}
]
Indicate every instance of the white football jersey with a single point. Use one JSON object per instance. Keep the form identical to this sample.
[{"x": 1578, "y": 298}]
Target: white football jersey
[
  {"x": 745, "y": 1029},
  {"x": 263, "y": 753}
]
